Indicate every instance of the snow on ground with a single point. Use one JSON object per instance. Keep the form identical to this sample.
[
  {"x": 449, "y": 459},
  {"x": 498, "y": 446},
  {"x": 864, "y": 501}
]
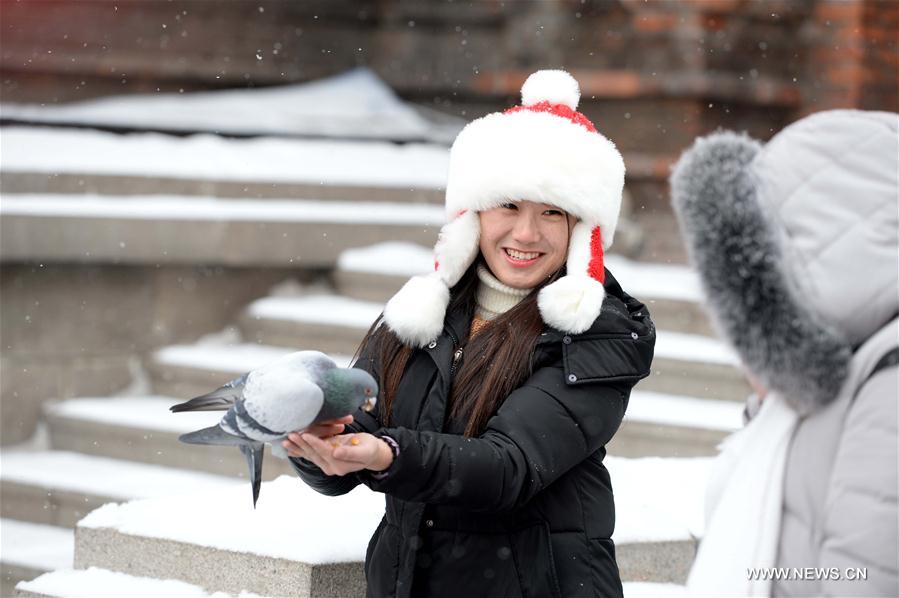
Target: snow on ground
[
  {"x": 657, "y": 500},
  {"x": 290, "y": 520},
  {"x": 101, "y": 583},
  {"x": 179, "y": 207},
  {"x": 673, "y": 410},
  {"x": 320, "y": 162},
  {"x": 355, "y": 104},
  {"x": 228, "y": 358},
  {"x": 101, "y": 476},
  {"x": 36, "y": 546}
]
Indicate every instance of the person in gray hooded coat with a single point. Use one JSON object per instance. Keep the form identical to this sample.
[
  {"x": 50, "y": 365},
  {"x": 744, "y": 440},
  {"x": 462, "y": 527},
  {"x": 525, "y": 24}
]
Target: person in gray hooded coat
[{"x": 797, "y": 244}]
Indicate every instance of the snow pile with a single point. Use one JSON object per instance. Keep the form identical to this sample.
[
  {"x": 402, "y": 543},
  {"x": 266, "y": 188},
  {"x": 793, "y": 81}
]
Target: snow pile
[
  {"x": 209, "y": 157},
  {"x": 656, "y": 281},
  {"x": 355, "y": 104},
  {"x": 100, "y": 583},
  {"x": 290, "y": 521}
]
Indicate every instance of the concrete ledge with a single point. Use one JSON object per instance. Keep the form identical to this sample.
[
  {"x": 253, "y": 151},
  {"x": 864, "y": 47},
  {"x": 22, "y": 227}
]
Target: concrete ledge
[
  {"x": 214, "y": 569},
  {"x": 662, "y": 562}
]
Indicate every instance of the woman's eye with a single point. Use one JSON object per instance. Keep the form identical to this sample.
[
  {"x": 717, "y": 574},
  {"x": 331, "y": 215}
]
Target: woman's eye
[
  {"x": 554, "y": 213},
  {"x": 509, "y": 206}
]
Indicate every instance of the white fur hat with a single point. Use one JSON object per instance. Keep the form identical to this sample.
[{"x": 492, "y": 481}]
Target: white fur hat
[{"x": 542, "y": 151}]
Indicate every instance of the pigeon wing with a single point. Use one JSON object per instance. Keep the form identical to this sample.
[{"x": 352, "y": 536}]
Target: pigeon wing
[
  {"x": 285, "y": 412},
  {"x": 219, "y": 399}
]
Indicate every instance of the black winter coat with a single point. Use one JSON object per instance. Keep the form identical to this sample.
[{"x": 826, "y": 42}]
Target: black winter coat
[{"x": 526, "y": 509}]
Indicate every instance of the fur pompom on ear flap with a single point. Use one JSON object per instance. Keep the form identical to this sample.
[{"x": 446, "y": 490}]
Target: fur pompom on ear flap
[
  {"x": 572, "y": 303},
  {"x": 417, "y": 310}
]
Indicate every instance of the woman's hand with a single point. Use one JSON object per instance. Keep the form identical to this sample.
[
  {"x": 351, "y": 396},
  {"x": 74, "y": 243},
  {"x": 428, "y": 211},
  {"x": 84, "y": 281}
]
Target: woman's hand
[
  {"x": 340, "y": 455},
  {"x": 324, "y": 429}
]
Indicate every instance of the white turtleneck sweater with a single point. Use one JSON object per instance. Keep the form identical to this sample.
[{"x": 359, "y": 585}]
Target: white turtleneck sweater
[{"x": 493, "y": 298}]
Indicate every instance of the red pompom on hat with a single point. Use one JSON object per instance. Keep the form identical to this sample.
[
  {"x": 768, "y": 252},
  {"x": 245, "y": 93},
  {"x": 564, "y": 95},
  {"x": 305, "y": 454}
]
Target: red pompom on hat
[{"x": 542, "y": 151}]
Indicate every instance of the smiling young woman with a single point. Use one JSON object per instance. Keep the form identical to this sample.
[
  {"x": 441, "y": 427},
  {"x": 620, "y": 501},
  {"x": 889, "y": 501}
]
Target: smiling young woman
[
  {"x": 503, "y": 374},
  {"x": 524, "y": 243}
]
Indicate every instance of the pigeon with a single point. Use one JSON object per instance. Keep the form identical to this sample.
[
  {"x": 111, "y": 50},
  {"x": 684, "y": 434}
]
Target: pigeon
[{"x": 289, "y": 394}]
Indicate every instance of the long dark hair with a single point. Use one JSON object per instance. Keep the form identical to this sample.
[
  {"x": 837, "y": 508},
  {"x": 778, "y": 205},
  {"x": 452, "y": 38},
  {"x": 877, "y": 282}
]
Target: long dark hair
[{"x": 496, "y": 361}]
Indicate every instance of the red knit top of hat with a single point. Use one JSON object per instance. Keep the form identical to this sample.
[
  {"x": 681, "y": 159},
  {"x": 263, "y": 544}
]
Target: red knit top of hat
[{"x": 560, "y": 110}]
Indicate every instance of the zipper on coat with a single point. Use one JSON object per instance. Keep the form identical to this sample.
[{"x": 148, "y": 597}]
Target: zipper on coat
[
  {"x": 456, "y": 357},
  {"x": 457, "y": 354}
]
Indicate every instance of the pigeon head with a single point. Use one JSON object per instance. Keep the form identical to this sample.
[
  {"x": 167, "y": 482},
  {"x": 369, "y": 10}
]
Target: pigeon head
[{"x": 351, "y": 387}]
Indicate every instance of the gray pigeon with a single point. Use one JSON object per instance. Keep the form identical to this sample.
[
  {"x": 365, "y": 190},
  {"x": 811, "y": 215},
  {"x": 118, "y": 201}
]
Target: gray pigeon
[{"x": 289, "y": 394}]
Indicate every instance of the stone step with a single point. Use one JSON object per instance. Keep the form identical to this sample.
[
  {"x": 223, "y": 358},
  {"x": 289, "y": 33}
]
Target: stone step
[
  {"x": 60, "y": 487},
  {"x": 143, "y": 429},
  {"x": 31, "y": 549},
  {"x": 190, "y": 370},
  {"x": 202, "y": 230},
  {"x": 318, "y": 550},
  {"x": 659, "y": 425},
  {"x": 684, "y": 364},
  {"x": 656, "y": 424},
  {"x": 671, "y": 292},
  {"x": 62, "y": 160}
]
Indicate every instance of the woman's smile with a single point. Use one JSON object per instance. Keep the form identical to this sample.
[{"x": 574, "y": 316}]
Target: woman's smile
[{"x": 524, "y": 242}]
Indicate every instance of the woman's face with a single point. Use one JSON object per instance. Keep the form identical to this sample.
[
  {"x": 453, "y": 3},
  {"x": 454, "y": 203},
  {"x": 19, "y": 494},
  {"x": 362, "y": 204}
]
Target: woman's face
[{"x": 524, "y": 242}]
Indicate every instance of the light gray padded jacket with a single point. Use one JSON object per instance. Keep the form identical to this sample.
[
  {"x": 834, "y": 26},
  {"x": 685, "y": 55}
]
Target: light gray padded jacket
[{"x": 797, "y": 244}]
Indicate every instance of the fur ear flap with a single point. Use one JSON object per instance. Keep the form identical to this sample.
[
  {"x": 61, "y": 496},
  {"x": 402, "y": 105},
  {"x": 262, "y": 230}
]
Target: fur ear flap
[
  {"x": 417, "y": 310},
  {"x": 572, "y": 303}
]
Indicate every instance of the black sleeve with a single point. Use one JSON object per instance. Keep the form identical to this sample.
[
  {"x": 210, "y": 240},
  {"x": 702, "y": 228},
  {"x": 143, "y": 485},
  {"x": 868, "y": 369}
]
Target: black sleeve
[
  {"x": 362, "y": 422},
  {"x": 541, "y": 431}
]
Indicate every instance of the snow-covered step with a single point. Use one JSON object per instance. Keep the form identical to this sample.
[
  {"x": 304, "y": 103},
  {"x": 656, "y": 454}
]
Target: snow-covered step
[
  {"x": 671, "y": 292},
  {"x": 329, "y": 323},
  {"x": 143, "y": 429},
  {"x": 61, "y": 487},
  {"x": 190, "y": 370},
  {"x": 102, "y": 583},
  {"x": 684, "y": 364},
  {"x": 178, "y": 229},
  {"x": 296, "y": 536},
  {"x": 95, "y": 159},
  {"x": 661, "y": 425},
  {"x": 30, "y": 549}
]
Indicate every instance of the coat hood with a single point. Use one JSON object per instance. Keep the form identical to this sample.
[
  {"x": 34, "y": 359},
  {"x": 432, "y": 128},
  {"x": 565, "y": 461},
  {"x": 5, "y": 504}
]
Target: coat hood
[{"x": 797, "y": 244}]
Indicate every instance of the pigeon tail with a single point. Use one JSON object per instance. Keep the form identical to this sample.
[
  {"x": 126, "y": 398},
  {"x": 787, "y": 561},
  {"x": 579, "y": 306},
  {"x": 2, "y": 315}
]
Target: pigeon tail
[{"x": 254, "y": 454}]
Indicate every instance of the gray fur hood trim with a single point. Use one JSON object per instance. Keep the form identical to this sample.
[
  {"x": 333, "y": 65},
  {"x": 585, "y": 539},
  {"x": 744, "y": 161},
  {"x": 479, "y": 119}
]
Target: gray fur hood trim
[{"x": 739, "y": 257}]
